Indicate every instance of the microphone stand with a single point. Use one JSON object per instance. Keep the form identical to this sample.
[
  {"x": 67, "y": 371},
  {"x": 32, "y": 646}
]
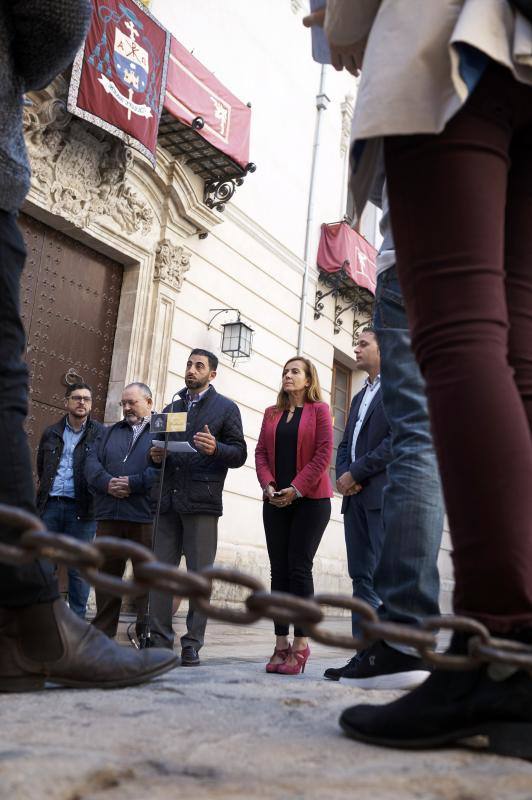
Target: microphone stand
[{"x": 145, "y": 635}]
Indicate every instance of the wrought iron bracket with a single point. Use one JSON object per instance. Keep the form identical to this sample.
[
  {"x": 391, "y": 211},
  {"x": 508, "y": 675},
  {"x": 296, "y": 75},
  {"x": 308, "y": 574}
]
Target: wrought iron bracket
[
  {"x": 359, "y": 324},
  {"x": 318, "y": 301},
  {"x": 218, "y": 192},
  {"x": 348, "y": 297},
  {"x": 222, "y": 311}
]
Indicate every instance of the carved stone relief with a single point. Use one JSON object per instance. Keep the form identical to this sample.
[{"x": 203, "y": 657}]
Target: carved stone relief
[
  {"x": 171, "y": 263},
  {"x": 347, "y": 109},
  {"x": 82, "y": 171}
]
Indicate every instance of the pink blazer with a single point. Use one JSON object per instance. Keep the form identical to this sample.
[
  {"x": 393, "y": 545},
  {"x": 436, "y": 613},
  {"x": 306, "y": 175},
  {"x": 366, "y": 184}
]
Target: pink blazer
[{"x": 314, "y": 450}]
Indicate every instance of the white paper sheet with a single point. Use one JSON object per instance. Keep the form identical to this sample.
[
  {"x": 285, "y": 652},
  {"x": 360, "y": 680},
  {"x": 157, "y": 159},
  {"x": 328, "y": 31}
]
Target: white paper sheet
[{"x": 174, "y": 447}]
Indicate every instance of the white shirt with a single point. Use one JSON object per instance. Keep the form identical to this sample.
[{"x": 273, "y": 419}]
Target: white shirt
[{"x": 369, "y": 394}]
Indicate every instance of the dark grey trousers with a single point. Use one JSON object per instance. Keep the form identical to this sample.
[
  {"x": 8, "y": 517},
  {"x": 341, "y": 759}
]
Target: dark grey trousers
[{"x": 194, "y": 536}]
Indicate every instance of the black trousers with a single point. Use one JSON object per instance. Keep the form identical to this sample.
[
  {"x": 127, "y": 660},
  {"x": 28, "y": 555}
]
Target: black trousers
[
  {"x": 31, "y": 583},
  {"x": 108, "y": 606},
  {"x": 293, "y": 535}
]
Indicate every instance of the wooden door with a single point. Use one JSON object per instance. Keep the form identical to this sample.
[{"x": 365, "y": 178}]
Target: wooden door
[{"x": 69, "y": 303}]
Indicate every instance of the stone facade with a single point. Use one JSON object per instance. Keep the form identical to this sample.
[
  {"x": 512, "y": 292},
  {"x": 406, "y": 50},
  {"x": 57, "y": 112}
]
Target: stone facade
[
  {"x": 181, "y": 259},
  {"x": 95, "y": 189}
]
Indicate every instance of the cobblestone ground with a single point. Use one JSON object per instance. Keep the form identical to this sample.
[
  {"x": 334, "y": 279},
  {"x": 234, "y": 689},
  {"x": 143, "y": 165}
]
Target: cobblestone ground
[{"x": 227, "y": 730}]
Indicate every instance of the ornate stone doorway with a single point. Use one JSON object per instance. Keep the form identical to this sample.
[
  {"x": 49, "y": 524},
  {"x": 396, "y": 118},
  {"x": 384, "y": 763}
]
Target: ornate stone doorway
[{"x": 69, "y": 301}]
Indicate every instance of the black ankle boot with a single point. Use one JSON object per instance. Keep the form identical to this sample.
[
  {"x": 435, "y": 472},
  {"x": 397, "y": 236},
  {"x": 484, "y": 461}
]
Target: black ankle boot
[{"x": 492, "y": 703}]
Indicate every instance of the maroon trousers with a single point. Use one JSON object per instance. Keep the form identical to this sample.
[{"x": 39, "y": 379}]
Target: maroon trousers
[{"x": 461, "y": 209}]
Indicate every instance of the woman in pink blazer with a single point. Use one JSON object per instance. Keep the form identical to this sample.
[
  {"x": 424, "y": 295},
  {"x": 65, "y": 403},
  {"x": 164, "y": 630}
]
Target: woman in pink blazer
[{"x": 292, "y": 458}]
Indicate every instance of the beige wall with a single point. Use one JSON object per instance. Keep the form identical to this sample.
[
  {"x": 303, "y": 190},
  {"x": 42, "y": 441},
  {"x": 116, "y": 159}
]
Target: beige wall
[
  {"x": 239, "y": 264},
  {"x": 250, "y": 260}
]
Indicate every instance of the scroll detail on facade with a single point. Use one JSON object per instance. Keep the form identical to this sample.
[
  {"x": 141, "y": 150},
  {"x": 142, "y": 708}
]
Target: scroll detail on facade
[
  {"x": 81, "y": 170},
  {"x": 347, "y": 109},
  {"x": 171, "y": 263}
]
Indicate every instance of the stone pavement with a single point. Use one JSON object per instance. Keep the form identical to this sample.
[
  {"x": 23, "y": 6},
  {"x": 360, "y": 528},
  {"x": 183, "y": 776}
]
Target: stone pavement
[{"x": 227, "y": 730}]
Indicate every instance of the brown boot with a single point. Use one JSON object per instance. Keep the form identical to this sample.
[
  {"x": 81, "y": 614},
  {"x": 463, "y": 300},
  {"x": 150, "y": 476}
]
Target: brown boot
[{"x": 48, "y": 642}]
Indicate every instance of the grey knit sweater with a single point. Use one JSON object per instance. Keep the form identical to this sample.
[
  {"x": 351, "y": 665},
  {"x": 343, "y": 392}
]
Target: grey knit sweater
[{"x": 38, "y": 38}]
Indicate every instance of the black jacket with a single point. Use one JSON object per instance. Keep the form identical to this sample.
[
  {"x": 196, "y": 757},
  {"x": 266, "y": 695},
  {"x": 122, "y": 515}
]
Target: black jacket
[
  {"x": 372, "y": 454},
  {"x": 49, "y": 456},
  {"x": 194, "y": 482},
  {"x": 112, "y": 455}
]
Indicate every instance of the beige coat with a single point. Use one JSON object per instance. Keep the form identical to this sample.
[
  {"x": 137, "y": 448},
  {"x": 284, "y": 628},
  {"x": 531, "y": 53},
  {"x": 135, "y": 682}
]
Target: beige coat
[{"x": 410, "y": 81}]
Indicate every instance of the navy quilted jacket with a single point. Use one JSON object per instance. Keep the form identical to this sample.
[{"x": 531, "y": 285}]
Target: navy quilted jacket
[
  {"x": 193, "y": 483},
  {"x": 114, "y": 453}
]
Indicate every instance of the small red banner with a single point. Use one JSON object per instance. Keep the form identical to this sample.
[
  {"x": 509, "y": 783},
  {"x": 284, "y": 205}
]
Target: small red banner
[
  {"x": 341, "y": 246},
  {"x": 119, "y": 76},
  {"x": 192, "y": 91}
]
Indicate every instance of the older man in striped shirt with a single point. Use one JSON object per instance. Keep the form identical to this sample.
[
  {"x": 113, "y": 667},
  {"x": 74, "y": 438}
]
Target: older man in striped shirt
[{"x": 119, "y": 474}]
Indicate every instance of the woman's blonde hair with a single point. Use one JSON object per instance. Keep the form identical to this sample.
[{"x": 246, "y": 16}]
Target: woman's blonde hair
[{"x": 313, "y": 393}]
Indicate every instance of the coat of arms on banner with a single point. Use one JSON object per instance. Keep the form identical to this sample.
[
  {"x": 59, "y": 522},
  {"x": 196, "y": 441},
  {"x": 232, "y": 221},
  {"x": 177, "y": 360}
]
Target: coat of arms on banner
[
  {"x": 119, "y": 77},
  {"x": 131, "y": 61}
]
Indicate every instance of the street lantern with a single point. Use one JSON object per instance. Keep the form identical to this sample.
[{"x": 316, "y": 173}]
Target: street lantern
[
  {"x": 237, "y": 336},
  {"x": 236, "y": 339}
]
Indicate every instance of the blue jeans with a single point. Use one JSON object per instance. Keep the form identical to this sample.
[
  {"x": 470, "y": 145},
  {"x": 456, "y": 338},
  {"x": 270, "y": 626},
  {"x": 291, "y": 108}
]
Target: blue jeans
[
  {"x": 406, "y": 579},
  {"x": 60, "y": 516},
  {"x": 364, "y": 539}
]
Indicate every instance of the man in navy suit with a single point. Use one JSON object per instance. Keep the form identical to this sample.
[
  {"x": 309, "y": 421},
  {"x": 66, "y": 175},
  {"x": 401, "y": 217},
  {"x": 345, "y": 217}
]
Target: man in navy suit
[{"x": 363, "y": 455}]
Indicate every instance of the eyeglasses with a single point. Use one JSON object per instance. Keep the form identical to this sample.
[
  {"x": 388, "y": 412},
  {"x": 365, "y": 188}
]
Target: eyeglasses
[
  {"x": 78, "y": 398},
  {"x": 126, "y": 403}
]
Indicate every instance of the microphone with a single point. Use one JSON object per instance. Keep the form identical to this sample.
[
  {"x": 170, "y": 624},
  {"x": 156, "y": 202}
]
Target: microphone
[{"x": 145, "y": 635}]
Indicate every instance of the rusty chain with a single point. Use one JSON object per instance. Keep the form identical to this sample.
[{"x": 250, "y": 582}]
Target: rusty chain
[{"x": 149, "y": 574}]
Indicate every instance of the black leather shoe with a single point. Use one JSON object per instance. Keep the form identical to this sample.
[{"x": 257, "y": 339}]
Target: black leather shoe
[
  {"x": 492, "y": 703},
  {"x": 47, "y": 642},
  {"x": 335, "y": 673},
  {"x": 189, "y": 656}
]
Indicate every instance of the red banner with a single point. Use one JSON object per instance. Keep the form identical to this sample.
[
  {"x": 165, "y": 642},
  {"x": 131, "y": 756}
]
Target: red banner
[
  {"x": 192, "y": 91},
  {"x": 341, "y": 246},
  {"x": 119, "y": 76}
]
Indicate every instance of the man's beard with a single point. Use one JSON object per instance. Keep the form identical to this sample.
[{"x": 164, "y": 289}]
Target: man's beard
[
  {"x": 80, "y": 412},
  {"x": 133, "y": 419},
  {"x": 191, "y": 383}
]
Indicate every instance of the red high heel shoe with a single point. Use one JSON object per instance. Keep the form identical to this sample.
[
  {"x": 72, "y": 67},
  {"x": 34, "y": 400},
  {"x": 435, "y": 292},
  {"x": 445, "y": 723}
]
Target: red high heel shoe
[
  {"x": 301, "y": 657},
  {"x": 283, "y": 653}
]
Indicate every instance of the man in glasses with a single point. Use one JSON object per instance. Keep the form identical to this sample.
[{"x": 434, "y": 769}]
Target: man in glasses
[{"x": 63, "y": 498}]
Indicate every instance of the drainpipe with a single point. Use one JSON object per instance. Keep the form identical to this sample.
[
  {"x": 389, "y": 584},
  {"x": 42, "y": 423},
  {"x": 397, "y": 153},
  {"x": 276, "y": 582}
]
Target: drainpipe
[{"x": 322, "y": 102}]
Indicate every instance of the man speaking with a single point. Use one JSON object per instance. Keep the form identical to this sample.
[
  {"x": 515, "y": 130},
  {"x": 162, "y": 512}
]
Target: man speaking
[{"x": 192, "y": 492}]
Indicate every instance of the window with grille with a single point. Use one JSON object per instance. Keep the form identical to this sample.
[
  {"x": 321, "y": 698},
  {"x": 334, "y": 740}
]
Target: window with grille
[{"x": 340, "y": 403}]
